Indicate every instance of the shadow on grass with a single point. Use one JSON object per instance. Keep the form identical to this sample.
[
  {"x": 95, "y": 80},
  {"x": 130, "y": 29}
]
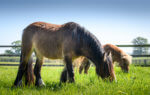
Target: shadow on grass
[{"x": 52, "y": 86}]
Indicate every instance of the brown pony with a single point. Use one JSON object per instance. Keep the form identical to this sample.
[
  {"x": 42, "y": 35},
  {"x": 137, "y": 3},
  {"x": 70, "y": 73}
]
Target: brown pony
[
  {"x": 118, "y": 56},
  {"x": 82, "y": 63},
  {"x": 67, "y": 41}
]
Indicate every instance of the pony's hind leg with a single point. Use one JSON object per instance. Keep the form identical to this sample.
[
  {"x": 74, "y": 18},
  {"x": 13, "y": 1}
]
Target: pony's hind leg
[
  {"x": 23, "y": 65},
  {"x": 37, "y": 72},
  {"x": 29, "y": 74}
]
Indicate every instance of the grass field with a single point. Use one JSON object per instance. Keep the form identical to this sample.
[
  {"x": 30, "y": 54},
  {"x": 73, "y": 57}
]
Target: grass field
[{"x": 136, "y": 82}]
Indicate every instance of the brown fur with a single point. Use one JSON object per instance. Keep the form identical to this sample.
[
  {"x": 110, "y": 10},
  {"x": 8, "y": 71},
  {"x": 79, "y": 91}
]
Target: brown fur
[{"x": 67, "y": 41}]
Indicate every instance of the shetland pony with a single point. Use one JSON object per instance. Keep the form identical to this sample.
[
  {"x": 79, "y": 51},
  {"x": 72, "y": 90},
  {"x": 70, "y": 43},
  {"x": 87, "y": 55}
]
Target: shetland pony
[
  {"x": 82, "y": 63},
  {"x": 119, "y": 56},
  {"x": 67, "y": 41}
]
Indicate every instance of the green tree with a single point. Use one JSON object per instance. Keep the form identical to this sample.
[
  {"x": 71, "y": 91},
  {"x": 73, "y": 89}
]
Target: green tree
[
  {"x": 14, "y": 50},
  {"x": 140, "y": 50},
  {"x": 8, "y": 52}
]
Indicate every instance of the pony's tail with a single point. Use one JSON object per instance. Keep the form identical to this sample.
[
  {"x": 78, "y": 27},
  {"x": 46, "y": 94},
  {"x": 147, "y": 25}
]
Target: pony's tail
[{"x": 29, "y": 75}]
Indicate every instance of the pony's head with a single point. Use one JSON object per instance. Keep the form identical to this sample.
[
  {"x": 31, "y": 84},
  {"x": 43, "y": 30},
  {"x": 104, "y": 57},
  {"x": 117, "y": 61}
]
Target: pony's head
[
  {"x": 126, "y": 61},
  {"x": 105, "y": 68},
  {"x": 89, "y": 46}
]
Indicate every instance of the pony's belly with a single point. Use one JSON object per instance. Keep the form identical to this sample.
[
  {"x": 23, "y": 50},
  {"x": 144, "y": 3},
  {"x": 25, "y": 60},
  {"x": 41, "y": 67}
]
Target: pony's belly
[
  {"x": 49, "y": 52},
  {"x": 51, "y": 55},
  {"x": 48, "y": 44}
]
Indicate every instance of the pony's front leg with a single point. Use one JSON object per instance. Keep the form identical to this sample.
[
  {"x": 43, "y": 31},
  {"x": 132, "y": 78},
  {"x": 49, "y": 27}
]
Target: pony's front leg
[
  {"x": 69, "y": 67},
  {"x": 81, "y": 68},
  {"x": 63, "y": 77},
  {"x": 86, "y": 67},
  {"x": 37, "y": 72}
]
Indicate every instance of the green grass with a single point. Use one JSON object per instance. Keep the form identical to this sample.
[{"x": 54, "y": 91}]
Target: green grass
[{"x": 136, "y": 82}]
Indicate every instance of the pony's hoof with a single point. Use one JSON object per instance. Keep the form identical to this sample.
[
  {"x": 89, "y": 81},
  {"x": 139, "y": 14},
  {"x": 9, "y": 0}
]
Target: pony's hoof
[
  {"x": 19, "y": 84},
  {"x": 116, "y": 81},
  {"x": 63, "y": 81},
  {"x": 71, "y": 80},
  {"x": 41, "y": 83}
]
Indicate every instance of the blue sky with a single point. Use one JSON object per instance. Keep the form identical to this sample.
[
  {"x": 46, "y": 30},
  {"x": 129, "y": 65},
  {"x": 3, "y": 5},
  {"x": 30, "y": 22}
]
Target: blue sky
[{"x": 112, "y": 21}]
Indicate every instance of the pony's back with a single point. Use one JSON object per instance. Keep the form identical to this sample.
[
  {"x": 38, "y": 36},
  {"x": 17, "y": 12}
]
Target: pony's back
[{"x": 113, "y": 49}]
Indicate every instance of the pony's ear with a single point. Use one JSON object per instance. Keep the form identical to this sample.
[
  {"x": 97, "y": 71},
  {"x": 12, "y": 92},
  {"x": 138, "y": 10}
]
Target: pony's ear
[
  {"x": 109, "y": 54},
  {"x": 104, "y": 57},
  {"x": 123, "y": 56},
  {"x": 127, "y": 57}
]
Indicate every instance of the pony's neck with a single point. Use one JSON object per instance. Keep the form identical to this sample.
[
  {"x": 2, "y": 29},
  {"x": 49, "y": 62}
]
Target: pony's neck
[{"x": 93, "y": 49}]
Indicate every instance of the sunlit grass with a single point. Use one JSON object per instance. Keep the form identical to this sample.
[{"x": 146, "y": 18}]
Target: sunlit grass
[{"x": 136, "y": 82}]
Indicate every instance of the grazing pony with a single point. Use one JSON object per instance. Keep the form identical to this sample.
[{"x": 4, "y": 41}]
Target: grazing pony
[
  {"x": 82, "y": 63},
  {"x": 119, "y": 56},
  {"x": 67, "y": 41}
]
